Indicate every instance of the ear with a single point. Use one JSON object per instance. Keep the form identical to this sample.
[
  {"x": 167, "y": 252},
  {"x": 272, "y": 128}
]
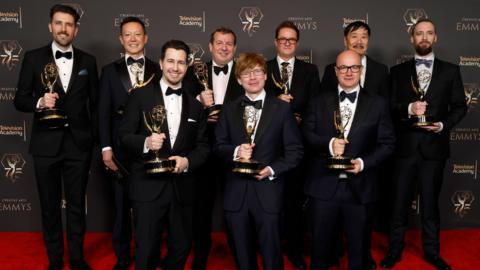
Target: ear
[
  {"x": 345, "y": 42},
  {"x": 50, "y": 27},
  {"x": 210, "y": 46},
  {"x": 161, "y": 65},
  {"x": 146, "y": 38},
  {"x": 239, "y": 81}
]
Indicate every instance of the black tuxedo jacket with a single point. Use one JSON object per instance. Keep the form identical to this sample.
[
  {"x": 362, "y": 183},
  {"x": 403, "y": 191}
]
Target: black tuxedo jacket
[
  {"x": 376, "y": 78},
  {"x": 114, "y": 85},
  {"x": 79, "y": 102},
  {"x": 305, "y": 83},
  {"x": 234, "y": 90},
  {"x": 446, "y": 103},
  {"x": 371, "y": 138},
  {"x": 191, "y": 142},
  {"x": 278, "y": 144}
]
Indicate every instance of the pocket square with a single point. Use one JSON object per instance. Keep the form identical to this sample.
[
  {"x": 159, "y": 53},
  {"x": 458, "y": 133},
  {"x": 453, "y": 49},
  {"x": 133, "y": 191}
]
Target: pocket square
[
  {"x": 83, "y": 72},
  {"x": 191, "y": 120}
]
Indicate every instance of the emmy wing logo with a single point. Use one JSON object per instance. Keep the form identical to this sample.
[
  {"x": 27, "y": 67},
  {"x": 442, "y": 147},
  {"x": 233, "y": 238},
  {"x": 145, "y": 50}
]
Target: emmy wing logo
[
  {"x": 412, "y": 16},
  {"x": 472, "y": 93},
  {"x": 196, "y": 53},
  {"x": 10, "y": 53},
  {"x": 251, "y": 18},
  {"x": 13, "y": 166},
  {"x": 462, "y": 200}
]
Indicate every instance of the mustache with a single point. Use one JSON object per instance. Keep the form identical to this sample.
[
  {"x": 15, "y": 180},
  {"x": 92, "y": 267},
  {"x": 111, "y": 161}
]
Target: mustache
[{"x": 359, "y": 46}]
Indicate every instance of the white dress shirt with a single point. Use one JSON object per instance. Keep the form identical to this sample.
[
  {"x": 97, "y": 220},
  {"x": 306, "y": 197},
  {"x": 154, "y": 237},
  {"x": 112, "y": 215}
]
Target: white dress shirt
[
  {"x": 173, "y": 105},
  {"x": 290, "y": 67},
  {"x": 133, "y": 78},
  {"x": 364, "y": 71},
  {"x": 220, "y": 83},
  {"x": 64, "y": 65}
]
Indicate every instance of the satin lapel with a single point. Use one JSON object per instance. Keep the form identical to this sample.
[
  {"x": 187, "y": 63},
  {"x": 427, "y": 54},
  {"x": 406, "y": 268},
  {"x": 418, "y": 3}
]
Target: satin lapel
[
  {"x": 230, "y": 95},
  {"x": 77, "y": 59},
  {"x": 149, "y": 71},
  {"x": 437, "y": 66},
  {"x": 238, "y": 121},
  {"x": 183, "y": 124},
  {"x": 413, "y": 76},
  {"x": 268, "y": 111},
  {"x": 210, "y": 74},
  {"x": 275, "y": 72},
  {"x": 332, "y": 104},
  {"x": 50, "y": 59},
  {"x": 361, "y": 111},
  {"x": 122, "y": 71},
  {"x": 297, "y": 71},
  {"x": 368, "y": 73},
  {"x": 158, "y": 100}
]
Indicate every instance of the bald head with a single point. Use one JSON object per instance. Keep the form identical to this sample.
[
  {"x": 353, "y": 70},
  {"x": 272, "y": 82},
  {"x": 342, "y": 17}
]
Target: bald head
[{"x": 348, "y": 69}]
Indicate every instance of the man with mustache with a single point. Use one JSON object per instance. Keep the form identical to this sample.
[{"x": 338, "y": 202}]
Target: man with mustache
[
  {"x": 421, "y": 152},
  {"x": 61, "y": 155}
]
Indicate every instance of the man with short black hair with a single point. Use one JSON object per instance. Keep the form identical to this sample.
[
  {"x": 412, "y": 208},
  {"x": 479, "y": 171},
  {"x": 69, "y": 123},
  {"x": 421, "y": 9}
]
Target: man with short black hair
[{"x": 61, "y": 155}]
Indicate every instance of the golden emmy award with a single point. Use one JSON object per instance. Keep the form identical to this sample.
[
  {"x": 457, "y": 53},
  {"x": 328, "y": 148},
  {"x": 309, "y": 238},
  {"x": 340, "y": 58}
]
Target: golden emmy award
[
  {"x": 248, "y": 166},
  {"x": 137, "y": 69},
  {"x": 424, "y": 78},
  {"x": 50, "y": 117},
  {"x": 156, "y": 164},
  {"x": 201, "y": 71},
  {"x": 282, "y": 84},
  {"x": 340, "y": 120}
]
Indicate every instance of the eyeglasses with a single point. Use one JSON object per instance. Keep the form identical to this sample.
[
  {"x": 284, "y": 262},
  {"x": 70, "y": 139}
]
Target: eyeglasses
[
  {"x": 353, "y": 69},
  {"x": 285, "y": 40},
  {"x": 255, "y": 72}
]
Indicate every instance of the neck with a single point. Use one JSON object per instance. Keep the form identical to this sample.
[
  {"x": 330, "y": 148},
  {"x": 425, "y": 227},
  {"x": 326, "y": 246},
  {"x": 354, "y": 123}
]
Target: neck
[
  {"x": 136, "y": 55},
  {"x": 171, "y": 85},
  {"x": 286, "y": 57},
  {"x": 348, "y": 89},
  {"x": 61, "y": 47},
  {"x": 253, "y": 96}
]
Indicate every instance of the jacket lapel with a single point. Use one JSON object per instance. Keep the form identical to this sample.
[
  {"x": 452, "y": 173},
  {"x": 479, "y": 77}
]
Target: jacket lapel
[
  {"x": 437, "y": 66},
  {"x": 238, "y": 120},
  {"x": 123, "y": 74},
  {"x": 49, "y": 58},
  {"x": 297, "y": 71},
  {"x": 158, "y": 100},
  {"x": 268, "y": 111},
  {"x": 77, "y": 59},
  {"x": 332, "y": 103},
  {"x": 361, "y": 111},
  {"x": 183, "y": 123}
]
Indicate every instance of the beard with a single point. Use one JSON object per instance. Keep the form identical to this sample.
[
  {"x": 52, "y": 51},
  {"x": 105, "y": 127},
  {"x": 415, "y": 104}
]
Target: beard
[{"x": 423, "y": 50}]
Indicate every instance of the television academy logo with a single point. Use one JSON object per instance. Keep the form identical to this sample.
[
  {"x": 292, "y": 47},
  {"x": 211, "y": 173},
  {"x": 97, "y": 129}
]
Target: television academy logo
[
  {"x": 404, "y": 58},
  {"x": 472, "y": 92},
  {"x": 412, "y": 16},
  {"x": 346, "y": 21},
  {"x": 118, "y": 20},
  {"x": 12, "y": 17},
  {"x": 15, "y": 205},
  {"x": 192, "y": 21},
  {"x": 307, "y": 57},
  {"x": 78, "y": 8},
  {"x": 468, "y": 169},
  {"x": 469, "y": 61},
  {"x": 10, "y": 53},
  {"x": 250, "y": 18},
  {"x": 462, "y": 201},
  {"x": 14, "y": 130},
  {"x": 13, "y": 165},
  {"x": 196, "y": 53}
]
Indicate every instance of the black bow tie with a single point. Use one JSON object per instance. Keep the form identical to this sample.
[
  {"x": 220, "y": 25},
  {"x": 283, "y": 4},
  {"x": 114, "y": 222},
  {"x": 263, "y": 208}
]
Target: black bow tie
[
  {"x": 247, "y": 102},
  {"x": 351, "y": 96},
  {"x": 217, "y": 69},
  {"x": 171, "y": 91},
  {"x": 59, "y": 54},
  {"x": 426, "y": 62},
  {"x": 130, "y": 61}
]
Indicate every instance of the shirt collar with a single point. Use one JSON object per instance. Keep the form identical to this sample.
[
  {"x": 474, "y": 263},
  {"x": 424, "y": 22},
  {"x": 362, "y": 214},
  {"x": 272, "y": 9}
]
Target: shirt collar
[
  {"x": 340, "y": 89},
  {"x": 430, "y": 56},
  {"x": 261, "y": 96},
  {"x": 229, "y": 64},
  {"x": 291, "y": 61},
  {"x": 128, "y": 55},
  {"x": 55, "y": 48},
  {"x": 164, "y": 86}
]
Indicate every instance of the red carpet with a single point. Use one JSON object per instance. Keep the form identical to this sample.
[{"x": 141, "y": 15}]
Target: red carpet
[{"x": 19, "y": 251}]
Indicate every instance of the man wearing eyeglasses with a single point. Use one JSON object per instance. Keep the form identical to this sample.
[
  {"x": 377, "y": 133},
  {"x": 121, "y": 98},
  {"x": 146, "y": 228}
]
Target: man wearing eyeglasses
[
  {"x": 421, "y": 152},
  {"x": 253, "y": 203},
  {"x": 300, "y": 82},
  {"x": 345, "y": 199}
]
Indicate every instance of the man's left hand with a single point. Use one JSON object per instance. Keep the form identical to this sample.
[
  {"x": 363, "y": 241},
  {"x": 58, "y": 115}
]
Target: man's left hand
[
  {"x": 435, "y": 128},
  {"x": 265, "y": 172},
  {"x": 356, "y": 166},
  {"x": 181, "y": 163}
]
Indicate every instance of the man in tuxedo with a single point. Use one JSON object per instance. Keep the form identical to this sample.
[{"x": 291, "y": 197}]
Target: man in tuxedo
[
  {"x": 422, "y": 152},
  {"x": 303, "y": 83},
  {"x": 223, "y": 88},
  {"x": 345, "y": 198},
  {"x": 373, "y": 78},
  {"x": 164, "y": 198},
  {"x": 253, "y": 203},
  {"x": 118, "y": 79},
  {"x": 61, "y": 155}
]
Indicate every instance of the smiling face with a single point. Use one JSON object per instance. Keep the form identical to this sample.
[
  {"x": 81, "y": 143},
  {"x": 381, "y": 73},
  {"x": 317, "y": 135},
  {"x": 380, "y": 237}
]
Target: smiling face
[
  {"x": 133, "y": 39},
  {"x": 286, "y": 43},
  {"x": 174, "y": 66},
  {"x": 357, "y": 40},
  {"x": 348, "y": 67},
  {"x": 222, "y": 48},
  {"x": 63, "y": 29},
  {"x": 253, "y": 79}
]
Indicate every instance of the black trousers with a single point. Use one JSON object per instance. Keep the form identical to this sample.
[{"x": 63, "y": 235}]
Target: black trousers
[
  {"x": 122, "y": 227},
  {"x": 242, "y": 226},
  {"x": 149, "y": 219},
  {"x": 70, "y": 168},
  {"x": 427, "y": 175},
  {"x": 346, "y": 212}
]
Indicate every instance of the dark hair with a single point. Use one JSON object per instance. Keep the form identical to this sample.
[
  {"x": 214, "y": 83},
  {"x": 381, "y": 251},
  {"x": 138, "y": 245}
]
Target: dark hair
[
  {"x": 287, "y": 24},
  {"x": 65, "y": 9},
  {"x": 422, "y": 20},
  {"x": 249, "y": 61},
  {"x": 354, "y": 26},
  {"x": 130, "y": 19},
  {"x": 223, "y": 30},
  {"x": 174, "y": 44}
]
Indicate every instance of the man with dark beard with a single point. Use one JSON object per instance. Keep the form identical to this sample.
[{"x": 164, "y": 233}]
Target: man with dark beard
[{"x": 421, "y": 152}]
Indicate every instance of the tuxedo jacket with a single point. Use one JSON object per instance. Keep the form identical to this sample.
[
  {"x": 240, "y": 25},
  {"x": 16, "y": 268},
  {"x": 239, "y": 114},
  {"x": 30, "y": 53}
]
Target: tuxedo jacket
[
  {"x": 114, "y": 85},
  {"x": 278, "y": 144},
  {"x": 305, "y": 83},
  {"x": 191, "y": 142},
  {"x": 446, "y": 103},
  {"x": 79, "y": 102},
  {"x": 371, "y": 138},
  {"x": 376, "y": 78}
]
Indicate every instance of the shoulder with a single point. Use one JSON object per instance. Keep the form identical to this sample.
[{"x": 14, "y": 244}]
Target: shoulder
[{"x": 372, "y": 63}]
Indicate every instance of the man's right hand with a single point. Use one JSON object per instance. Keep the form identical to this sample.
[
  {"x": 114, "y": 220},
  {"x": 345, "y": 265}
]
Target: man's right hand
[
  {"x": 155, "y": 141},
  {"x": 245, "y": 150},
  {"x": 48, "y": 100},
  {"x": 419, "y": 107},
  {"x": 107, "y": 157},
  {"x": 338, "y": 146},
  {"x": 286, "y": 98},
  {"x": 206, "y": 98}
]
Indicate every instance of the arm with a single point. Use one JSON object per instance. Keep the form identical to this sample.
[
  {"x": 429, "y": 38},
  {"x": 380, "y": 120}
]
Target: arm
[
  {"x": 93, "y": 98},
  {"x": 318, "y": 142},
  {"x": 105, "y": 110},
  {"x": 200, "y": 153},
  {"x": 25, "y": 98},
  {"x": 224, "y": 148},
  {"x": 129, "y": 130},
  {"x": 457, "y": 106}
]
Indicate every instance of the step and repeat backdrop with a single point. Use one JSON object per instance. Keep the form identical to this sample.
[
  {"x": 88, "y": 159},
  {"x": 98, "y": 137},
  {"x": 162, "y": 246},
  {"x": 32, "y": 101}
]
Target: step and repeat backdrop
[{"x": 23, "y": 26}]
